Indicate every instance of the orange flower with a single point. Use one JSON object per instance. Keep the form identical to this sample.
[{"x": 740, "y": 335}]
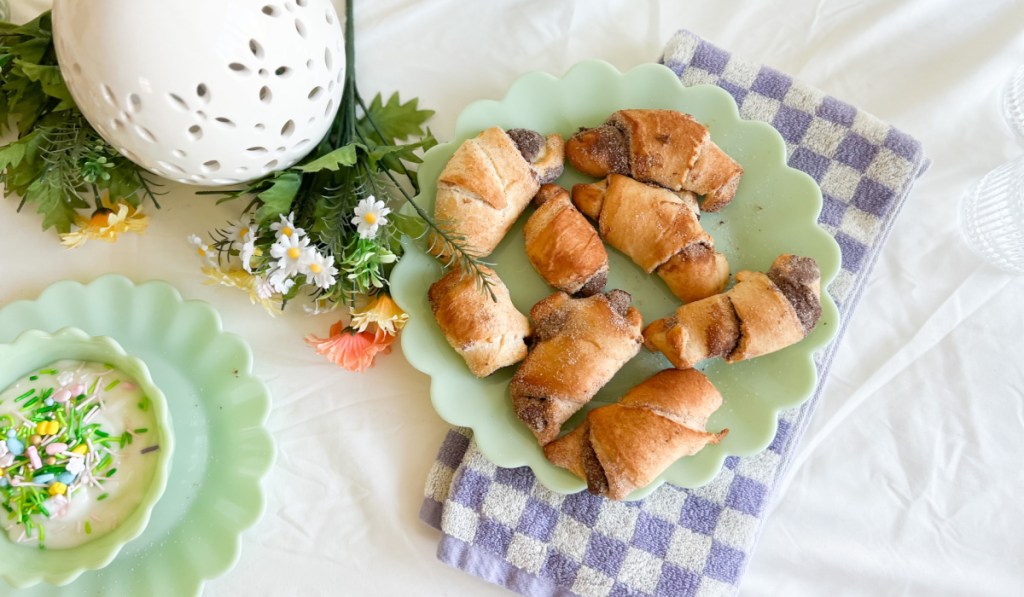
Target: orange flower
[
  {"x": 350, "y": 349},
  {"x": 384, "y": 340}
]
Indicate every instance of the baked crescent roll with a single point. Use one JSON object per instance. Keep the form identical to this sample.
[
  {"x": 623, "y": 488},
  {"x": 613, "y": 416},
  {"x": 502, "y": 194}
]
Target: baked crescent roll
[
  {"x": 659, "y": 230},
  {"x": 562, "y": 245},
  {"x": 490, "y": 180},
  {"x": 664, "y": 147},
  {"x": 626, "y": 445},
  {"x": 579, "y": 345},
  {"x": 488, "y": 334},
  {"x": 760, "y": 314}
]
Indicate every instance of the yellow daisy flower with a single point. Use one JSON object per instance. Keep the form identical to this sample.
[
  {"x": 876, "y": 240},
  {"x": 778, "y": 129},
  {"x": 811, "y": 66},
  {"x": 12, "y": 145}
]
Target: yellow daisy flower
[
  {"x": 106, "y": 224},
  {"x": 384, "y": 312}
]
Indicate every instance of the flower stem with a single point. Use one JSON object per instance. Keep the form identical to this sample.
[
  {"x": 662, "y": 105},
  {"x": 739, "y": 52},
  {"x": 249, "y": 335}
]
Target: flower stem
[{"x": 347, "y": 123}]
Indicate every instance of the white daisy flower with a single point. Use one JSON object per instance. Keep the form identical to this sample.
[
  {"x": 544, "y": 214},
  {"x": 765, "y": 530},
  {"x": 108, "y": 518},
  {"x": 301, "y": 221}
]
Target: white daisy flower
[
  {"x": 370, "y": 215},
  {"x": 286, "y": 227},
  {"x": 292, "y": 254},
  {"x": 264, "y": 289},
  {"x": 247, "y": 250},
  {"x": 238, "y": 233},
  {"x": 321, "y": 270},
  {"x": 202, "y": 249},
  {"x": 280, "y": 281}
]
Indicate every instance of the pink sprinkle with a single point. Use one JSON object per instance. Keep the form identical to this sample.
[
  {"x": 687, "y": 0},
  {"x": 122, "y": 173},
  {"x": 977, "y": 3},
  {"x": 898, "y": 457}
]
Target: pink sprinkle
[
  {"x": 61, "y": 396},
  {"x": 77, "y": 389},
  {"x": 33, "y": 457},
  {"x": 56, "y": 448},
  {"x": 128, "y": 386}
]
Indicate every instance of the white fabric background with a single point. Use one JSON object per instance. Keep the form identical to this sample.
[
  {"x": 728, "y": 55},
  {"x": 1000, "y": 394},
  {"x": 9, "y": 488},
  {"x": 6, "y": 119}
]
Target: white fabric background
[{"x": 908, "y": 479}]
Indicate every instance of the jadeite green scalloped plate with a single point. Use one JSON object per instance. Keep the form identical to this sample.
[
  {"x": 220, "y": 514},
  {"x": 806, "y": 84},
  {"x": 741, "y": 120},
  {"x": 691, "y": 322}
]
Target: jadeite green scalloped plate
[
  {"x": 218, "y": 408},
  {"x": 775, "y": 211}
]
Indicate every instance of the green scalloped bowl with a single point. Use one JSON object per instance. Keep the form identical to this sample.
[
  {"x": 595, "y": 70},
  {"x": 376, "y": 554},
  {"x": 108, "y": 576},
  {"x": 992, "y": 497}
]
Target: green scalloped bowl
[
  {"x": 775, "y": 211},
  {"x": 222, "y": 449},
  {"x": 32, "y": 350}
]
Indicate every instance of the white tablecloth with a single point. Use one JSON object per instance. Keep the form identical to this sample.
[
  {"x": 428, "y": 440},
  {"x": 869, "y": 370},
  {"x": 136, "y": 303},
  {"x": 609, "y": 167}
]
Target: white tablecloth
[{"x": 907, "y": 481}]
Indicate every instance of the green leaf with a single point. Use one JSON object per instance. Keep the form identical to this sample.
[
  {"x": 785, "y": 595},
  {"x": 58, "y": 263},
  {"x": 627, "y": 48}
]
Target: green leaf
[
  {"x": 124, "y": 183},
  {"x": 341, "y": 157},
  {"x": 47, "y": 193},
  {"x": 380, "y": 152},
  {"x": 11, "y": 155},
  {"x": 277, "y": 200},
  {"x": 50, "y": 79},
  {"x": 26, "y": 107},
  {"x": 40, "y": 26},
  {"x": 394, "y": 120},
  {"x": 18, "y": 176},
  {"x": 410, "y": 226},
  {"x": 31, "y": 50}
]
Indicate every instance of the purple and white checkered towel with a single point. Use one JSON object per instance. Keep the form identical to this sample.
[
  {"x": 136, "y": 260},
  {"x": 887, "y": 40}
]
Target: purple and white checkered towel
[{"x": 501, "y": 525}]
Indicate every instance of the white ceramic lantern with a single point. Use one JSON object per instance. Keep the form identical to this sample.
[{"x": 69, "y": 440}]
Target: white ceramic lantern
[{"x": 209, "y": 92}]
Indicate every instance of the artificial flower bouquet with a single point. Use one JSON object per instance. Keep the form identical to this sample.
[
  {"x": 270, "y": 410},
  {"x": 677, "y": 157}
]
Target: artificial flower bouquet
[{"x": 322, "y": 232}]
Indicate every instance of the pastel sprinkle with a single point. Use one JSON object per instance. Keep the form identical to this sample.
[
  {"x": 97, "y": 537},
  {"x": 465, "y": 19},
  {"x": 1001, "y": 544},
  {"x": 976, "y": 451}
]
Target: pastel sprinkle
[
  {"x": 66, "y": 478},
  {"x": 48, "y": 402},
  {"x": 50, "y": 427},
  {"x": 76, "y": 389},
  {"x": 75, "y": 465},
  {"x": 33, "y": 457},
  {"x": 58, "y": 488},
  {"x": 44, "y": 478},
  {"x": 62, "y": 395},
  {"x": 56, "y": 448},
  {"x": 80, "y": 449},
  {"x": 14, "y": 445}
]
